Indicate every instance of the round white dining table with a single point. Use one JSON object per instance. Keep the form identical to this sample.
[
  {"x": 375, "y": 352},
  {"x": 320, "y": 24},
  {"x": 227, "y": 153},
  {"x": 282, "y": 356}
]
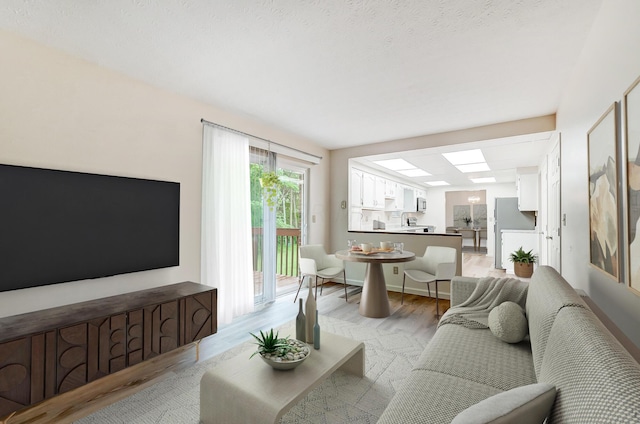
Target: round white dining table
[{"x": 374, "y": 302}]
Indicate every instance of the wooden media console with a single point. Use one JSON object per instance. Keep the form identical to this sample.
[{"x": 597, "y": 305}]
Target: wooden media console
[{"x": 87, "y": 349}]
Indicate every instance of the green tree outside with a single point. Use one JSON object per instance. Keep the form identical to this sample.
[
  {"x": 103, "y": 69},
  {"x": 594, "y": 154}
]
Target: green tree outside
[{"x": 288, "y": 215}]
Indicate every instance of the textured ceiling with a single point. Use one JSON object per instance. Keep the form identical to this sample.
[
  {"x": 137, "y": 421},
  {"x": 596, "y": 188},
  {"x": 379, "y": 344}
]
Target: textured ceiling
[{"x": 341, "y": 73}]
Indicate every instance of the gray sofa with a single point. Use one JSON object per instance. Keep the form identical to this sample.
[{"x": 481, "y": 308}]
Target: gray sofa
[{"x": 596, "y": 379}]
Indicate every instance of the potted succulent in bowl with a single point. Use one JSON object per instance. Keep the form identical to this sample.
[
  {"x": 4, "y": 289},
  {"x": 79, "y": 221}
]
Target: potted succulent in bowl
[
  {"x": 281, "y": 353},
  {"x": 523, "y": 262}
]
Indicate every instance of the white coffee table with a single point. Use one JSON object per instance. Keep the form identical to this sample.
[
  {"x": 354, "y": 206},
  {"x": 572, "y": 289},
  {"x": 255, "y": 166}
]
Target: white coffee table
[{"x": 243, "y": 390}]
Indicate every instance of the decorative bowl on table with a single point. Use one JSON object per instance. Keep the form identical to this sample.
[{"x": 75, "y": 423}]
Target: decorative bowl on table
[
  {"x": 298, "y": 353},
  {"x": 282, "y": 353}
]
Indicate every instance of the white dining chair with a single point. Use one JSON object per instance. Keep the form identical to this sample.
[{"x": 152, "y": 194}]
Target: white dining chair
[
  {"x": 315, "y": 262},
  {"x": 437, "y": 264}
]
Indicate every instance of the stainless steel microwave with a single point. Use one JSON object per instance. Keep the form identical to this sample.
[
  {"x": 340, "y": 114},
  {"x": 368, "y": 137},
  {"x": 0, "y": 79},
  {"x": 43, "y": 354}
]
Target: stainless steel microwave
[{"x": 422, "y": 204}]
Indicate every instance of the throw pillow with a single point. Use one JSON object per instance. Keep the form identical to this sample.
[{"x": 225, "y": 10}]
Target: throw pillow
[
  {"x": 508, "y": 322},
  {"x": 523, "y": 405}
]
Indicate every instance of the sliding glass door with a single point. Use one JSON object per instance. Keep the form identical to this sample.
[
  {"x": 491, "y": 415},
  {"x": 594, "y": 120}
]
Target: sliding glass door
[
  {"x": 290, "y": 225},
  {"x": 277, "y": 226}
]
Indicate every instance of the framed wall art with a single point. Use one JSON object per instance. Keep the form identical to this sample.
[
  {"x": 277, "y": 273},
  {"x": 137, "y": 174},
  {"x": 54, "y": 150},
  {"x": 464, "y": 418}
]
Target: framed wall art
[
  {"x": 602, "y": 150},
  {"x": 632, "y": 136}
]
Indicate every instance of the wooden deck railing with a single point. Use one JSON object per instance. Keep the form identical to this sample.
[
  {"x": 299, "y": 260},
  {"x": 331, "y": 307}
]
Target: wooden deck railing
[{"x": 287, "y": 242}]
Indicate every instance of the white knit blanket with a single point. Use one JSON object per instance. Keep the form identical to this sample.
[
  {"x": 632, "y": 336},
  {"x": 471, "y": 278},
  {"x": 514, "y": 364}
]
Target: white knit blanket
[{"x": 489, "y": 293}]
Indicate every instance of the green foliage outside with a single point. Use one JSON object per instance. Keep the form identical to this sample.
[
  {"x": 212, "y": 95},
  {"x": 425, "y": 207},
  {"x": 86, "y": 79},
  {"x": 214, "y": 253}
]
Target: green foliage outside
[
  {"x": 288, "y": 215},
  {"x": 287, "y": 200}
]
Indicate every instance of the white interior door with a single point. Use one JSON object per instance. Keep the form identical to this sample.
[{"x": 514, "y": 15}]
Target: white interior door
[
  {"x": 554, "y": 207},
  {"x": 543, "y": 215}
]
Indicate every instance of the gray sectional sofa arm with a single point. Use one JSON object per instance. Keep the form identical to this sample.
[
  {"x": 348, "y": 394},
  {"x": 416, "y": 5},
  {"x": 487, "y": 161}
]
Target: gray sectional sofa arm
[{"x": 461, "y": 289}]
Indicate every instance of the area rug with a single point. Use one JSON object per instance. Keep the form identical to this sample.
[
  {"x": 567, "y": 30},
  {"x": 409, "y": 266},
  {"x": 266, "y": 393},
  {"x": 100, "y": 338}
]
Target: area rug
[{"x": 341, "y": 398}]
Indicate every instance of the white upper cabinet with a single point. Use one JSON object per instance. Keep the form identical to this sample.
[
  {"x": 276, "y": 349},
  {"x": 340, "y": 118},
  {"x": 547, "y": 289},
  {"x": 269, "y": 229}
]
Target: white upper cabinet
[
  {"x": 372, "y": 191},
  {"x": 355, "y": 196},
  {"x": 381, "y": 185},
  {"x": 368, "y": 190},
  {"x": 527, "y": 189},
  {"x": 390, "y": 189}
]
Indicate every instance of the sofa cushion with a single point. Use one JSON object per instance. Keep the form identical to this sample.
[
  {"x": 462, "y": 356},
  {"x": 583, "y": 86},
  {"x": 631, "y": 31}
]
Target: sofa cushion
[
  {"x": 548, "y": 293},
  {"x": 508, "y": 323},
  {"x": 434, "y": 398},
  {"x": 477, "y": 355},
  {"x": 523, "y": 405},
  {"x": 596, "y": 378}
]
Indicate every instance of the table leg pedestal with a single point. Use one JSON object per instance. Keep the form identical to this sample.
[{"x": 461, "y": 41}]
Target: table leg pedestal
[{"x": 374, "y": 302}]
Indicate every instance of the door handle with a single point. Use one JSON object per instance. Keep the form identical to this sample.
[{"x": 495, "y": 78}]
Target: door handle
[{"x": 549, "y": 238}]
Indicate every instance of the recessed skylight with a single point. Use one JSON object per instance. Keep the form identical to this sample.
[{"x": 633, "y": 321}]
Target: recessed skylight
[
  {"x": 437, "y": 183},
  {"x": 483, "y": 180},
  {"x": 394, "y": 164},
  {"x": 464, "y": 157},
  {"x": 473, "y": 167},
  {"x": 414, "y": 173}
]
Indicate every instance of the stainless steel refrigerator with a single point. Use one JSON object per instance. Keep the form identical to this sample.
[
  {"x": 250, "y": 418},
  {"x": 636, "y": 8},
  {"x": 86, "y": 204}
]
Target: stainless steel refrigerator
[{"x": 507, "y": 217}]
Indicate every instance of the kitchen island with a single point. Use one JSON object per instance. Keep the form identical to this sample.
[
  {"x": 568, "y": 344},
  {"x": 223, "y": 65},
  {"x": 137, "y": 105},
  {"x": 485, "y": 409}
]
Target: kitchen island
[{"x": 416, "y": 242}]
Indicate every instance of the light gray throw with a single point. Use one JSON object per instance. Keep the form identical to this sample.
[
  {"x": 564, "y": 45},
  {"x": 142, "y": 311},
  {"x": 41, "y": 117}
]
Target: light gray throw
[{"x": 489, "y": 293}]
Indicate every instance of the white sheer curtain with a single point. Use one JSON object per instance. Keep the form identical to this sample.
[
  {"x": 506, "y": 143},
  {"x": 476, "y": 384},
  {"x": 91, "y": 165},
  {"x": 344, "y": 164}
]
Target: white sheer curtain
[{"x": 226, "y": 221}]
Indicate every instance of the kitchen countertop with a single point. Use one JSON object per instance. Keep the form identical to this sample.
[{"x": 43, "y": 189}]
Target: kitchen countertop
[{"x": 401, "y": 231}]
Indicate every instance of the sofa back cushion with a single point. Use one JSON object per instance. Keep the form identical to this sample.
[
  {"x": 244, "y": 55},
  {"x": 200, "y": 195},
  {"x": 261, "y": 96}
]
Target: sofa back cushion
[
  {"x": 548, "y": 293},
  {"x": 597, "y": 380}
]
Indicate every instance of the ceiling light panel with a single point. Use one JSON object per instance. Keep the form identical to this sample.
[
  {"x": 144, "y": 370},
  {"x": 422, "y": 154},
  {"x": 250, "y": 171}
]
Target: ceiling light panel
[
  {"x": 465, "y": 157},
  {"x": 394, "y": 164},
  {"x": 414, "y": 173},
  {"x": 473, "y": 167},
  {"x": 483, "y": 180},
  {"x": 437, "y": 183}
]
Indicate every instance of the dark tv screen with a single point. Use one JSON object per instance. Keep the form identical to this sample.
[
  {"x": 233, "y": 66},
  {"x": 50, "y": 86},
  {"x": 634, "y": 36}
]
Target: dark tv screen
[{"x": 59, "y": 226}]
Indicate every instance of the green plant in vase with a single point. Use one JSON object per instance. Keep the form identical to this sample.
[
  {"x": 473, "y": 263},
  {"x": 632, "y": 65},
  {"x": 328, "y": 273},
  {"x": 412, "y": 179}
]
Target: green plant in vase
[{"x": 270, "y": 182}]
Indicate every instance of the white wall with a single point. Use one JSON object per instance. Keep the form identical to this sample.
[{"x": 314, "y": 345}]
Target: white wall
[
  {"x": 60, "y": 112},
  {"x": 609, "y": 63}
]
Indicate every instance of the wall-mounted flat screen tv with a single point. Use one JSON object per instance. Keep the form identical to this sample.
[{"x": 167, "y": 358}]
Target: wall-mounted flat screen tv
[{"x": 58, "y": 226}]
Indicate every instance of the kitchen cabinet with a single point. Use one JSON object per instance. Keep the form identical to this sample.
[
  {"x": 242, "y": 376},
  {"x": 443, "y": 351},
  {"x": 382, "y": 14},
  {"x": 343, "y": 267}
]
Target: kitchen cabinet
[
  {"x": 372, "y": 191},
  {"x": 50, "y": 352},
  {"x": 527, "y": 191},
  {"x": 390, "y": 188},
  {"x": 378, "y": 199},
  {"x": 355, "y": 189}
]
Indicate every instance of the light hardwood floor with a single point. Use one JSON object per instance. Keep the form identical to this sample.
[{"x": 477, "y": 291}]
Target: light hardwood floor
[{"x": 417, "y": 315}]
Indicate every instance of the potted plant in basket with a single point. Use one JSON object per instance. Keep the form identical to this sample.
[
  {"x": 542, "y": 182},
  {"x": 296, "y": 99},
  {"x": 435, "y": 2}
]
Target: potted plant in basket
[
  {"x": 280, "y": 353},
  {"x": 523, "y": 262}
]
